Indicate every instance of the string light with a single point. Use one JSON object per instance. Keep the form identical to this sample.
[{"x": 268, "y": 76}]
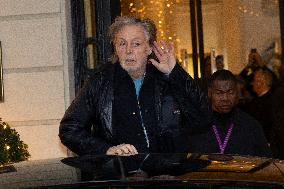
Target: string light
[
  {"x": 157, "y": 12},
  {"x": 7, "y": 147},
  {"x": 12, "y": 149},
  {"x": 161, "y": 12}
]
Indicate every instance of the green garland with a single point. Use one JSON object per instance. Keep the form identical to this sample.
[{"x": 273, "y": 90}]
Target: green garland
[{"x": 12, "y": 149}]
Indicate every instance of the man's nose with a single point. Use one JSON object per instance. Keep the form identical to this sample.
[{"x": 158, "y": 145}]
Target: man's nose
[
  {"x": 225, "y": 96},
  {"x": 129, "y": 49}
]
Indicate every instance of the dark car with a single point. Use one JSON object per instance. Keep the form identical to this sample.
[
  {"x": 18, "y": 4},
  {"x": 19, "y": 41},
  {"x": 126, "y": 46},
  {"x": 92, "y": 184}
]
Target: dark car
[{"x": 146, "y": 171}]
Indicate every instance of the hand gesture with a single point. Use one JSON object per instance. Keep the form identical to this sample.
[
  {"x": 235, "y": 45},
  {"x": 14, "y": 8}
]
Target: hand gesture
[
  {"x": 122, "y": 150},
  {"x": 166, "y": 56}
]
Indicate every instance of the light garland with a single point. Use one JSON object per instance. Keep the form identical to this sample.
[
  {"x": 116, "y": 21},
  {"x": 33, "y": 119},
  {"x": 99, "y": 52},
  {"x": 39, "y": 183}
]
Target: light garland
[{"x": 156, "y": 10}]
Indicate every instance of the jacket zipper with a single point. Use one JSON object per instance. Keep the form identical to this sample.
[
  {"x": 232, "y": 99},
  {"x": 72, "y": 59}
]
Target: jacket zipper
[{"x": 143, "y": 126}]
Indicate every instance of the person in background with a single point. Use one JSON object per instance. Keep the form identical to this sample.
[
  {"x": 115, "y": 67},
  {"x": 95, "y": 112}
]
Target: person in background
[
  {"x": 219, "y": 62},
  {"x": 137, "y": 104},
  {"x": 244, "y": 96},
  {"x": 232, "y": 131},
  {"x": 255, "y": 62},
  {"x": 261, "y": 106}
]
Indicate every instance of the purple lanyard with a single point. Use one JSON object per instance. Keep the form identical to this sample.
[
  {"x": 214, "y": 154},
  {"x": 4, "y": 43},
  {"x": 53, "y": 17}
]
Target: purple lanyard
[{"x": 223, "y": 145}]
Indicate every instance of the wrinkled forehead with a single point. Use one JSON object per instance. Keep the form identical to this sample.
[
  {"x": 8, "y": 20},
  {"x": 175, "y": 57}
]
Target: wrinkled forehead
[
  {"x": 224, "y": 85},
  {"x": 131, "y": 31}
]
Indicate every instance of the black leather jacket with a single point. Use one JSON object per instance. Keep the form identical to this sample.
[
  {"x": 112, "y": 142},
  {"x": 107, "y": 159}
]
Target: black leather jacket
[{"x": 86, "y": 127}]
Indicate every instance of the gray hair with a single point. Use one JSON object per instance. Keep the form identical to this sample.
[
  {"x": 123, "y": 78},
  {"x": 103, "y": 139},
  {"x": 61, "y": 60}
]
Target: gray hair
[{"x": 121, "y": 21}]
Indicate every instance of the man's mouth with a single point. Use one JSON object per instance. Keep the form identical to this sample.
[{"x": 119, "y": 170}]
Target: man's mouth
[
  {"x": 225, "y": 107},
  {"x": 129, "y": 61}
]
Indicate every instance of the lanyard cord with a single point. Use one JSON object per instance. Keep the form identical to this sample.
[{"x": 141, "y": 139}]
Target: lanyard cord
[{"x": 222, "y": 146}]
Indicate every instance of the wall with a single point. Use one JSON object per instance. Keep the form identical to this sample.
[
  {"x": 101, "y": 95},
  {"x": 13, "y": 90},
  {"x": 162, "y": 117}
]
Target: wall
[{"x": 37, "y": 61}]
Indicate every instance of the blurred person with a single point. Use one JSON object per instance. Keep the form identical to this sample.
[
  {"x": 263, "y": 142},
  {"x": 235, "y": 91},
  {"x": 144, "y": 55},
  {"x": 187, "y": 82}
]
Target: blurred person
[
  {"x": 261, "y": 106},
  {"x": 137, "y": 104},
  {"x": 244, "y": 96},
  {"x": 219, "y": 60},
  {"x": 255, "y": 62},
  {"x": 232, "y": 130}
]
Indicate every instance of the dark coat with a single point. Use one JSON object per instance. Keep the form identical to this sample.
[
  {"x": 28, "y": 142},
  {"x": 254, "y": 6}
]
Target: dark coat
[
  {"x": 260, "y": 108},
  {"x": 247, "y": 137},
  {"x": 86, "y": 127}
]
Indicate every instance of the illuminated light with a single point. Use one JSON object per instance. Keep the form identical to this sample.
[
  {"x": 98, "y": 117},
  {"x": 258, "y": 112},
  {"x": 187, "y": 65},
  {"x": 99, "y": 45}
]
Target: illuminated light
[
  {"x": 162, "y": 31},
  {"x": 171, "y": 12},
  {"x": 160, "y": 22},
  {"x": 152, "y": 2},
  {"x": 168, "y": 5},
  {"x": 131, "y": 4},
  {"x": 245, "y": 10},
  {"x": 178, "y": 40},
  {"x": 7, "y": 147},
  {"x": 170, "y": 38},
  {"x": 256, "y": 14},
  {"x": 5, "y": 126},
  {"x": 160, "y": 12},
  {"x": 251, "y": 12}
]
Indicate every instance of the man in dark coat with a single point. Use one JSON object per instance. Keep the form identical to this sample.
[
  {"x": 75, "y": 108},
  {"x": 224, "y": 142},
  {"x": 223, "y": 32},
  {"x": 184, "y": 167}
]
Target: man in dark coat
[
  {"x": 261, "y": 106},
  {"x": 232, "y": 130},
  {"x": 138, "y": 104}
]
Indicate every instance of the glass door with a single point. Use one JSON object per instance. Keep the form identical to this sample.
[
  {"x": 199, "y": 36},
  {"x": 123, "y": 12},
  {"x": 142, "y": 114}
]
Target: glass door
[{"x": 234, "y": 28}]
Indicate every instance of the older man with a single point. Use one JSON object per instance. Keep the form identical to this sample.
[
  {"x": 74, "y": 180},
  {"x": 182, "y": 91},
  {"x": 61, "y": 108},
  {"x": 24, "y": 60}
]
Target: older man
[
  {"x": 232, "y": 130},
  {"x": 137, "y": 104}
]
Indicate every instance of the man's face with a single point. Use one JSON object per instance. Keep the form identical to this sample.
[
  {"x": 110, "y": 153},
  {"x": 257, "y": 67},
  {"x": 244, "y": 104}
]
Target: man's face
[
  {"x": 259, "y": 83},
  {"x": 132, "y": 48},
  {"x": 223, "y": 96},
  {"x": 219, "y": 65}
]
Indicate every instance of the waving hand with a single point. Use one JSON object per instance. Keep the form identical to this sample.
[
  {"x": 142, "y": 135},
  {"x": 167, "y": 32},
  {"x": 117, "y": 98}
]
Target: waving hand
[{"x": 166, "y": 56}]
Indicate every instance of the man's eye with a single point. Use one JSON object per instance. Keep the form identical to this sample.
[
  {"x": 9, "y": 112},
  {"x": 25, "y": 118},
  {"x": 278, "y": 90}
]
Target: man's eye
[
  {"x": 231, "y": 91},
  {"x": 136, "y": 44},
  {"x": 121, "y": 43}
]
